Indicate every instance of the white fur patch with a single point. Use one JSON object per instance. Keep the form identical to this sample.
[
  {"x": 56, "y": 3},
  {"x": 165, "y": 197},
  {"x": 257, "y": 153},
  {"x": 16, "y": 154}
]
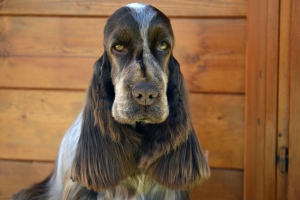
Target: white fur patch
[
  {"x": 136, "y": 5},
  {"x": 143, "y": 16}
]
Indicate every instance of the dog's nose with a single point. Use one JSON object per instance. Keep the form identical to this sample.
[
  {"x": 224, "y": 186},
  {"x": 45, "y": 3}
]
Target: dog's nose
[{"x": 144, "y": 93}]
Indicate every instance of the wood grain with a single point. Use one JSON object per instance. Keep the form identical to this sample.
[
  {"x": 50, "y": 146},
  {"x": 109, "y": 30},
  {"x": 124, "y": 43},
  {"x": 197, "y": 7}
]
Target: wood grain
[
  {"x": 271, "y": 99},
  {"x": 105, "y": 8},
  {"x": 294, "y": 106},
  {"x": 212, "y": 58},
  {"x": 223, "y": 185},
  {"x": 211, "y": 53},
  {"x": 32, "y": 124},
  {"x": 46, "y": 73},
  {"x": 283, "y": 94},
  {"x": 256, "y": 54},
  {"x": 16, "y": 175},
  {"x": 219, "y": 123}
]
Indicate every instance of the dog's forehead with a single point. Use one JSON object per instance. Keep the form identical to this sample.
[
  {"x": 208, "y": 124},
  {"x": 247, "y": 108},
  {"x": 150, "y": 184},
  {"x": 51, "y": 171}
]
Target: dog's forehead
[{"x": 142, "y": 13}]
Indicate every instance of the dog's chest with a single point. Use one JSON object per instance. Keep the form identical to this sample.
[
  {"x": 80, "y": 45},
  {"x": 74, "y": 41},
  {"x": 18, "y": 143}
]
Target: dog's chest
[{"x": 139, "y": 187}]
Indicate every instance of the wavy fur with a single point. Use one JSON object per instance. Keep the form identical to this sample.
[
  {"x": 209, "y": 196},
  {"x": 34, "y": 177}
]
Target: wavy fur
[{"x": 119, "y": 147}]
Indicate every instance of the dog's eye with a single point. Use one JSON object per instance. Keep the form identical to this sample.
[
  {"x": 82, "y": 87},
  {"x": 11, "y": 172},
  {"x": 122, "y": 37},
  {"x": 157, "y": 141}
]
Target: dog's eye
[
  {"x": 163, "y": 46},
  {"x": 119, "y": 47}
]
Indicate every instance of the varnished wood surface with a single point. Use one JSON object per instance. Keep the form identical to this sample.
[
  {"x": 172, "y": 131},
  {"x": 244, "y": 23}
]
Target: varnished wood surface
[
  {"x": 261, "y": 99},
  {"x": 16, "y": 175},
  {"x": 219, "y": 124},
  {"x": 271, "y": 99},
  {"x": 204, "y": 8},
  {"x": 283, "y": 93},
  {"x": 255, "y": 99},
  {"x": 223, "y": 185},
  {"x": 212, "y": 58},
  {"x": 294, "y": 112}
]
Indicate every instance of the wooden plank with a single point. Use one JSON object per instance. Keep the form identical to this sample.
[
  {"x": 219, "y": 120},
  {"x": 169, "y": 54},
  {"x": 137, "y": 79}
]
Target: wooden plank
[
  {"x": 219, "y": 122},
  {"x": 211, "y": 53},
  {"x": 104, "y": 8},
  {"x": 255, "y": 99},
  {"x": 271, "y": 99},
  {"x": 32, "y": 123},
  {"x": 51, "y": 36},
  {"x": 223, "y": 185},
  {"x": 46, "y": 72},
  {"x": 283, "y": 94},
  {"x": 294, "y": 106},
  {"x": 31, "y": 120},
  {"x": 212, "y": 58},
  {"x": 16, "y": 175}
]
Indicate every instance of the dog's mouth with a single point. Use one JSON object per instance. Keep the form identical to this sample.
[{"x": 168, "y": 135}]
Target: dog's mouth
[{"x": 146, "y": 120}]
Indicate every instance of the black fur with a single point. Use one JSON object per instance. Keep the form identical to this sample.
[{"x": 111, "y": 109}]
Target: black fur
[{"x": 111, "y": 156}]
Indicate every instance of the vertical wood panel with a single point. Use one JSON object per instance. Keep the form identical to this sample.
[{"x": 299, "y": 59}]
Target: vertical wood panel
[
  {"x": 255, "y": 99},
  {"x": 261, "y": 99},
  {"x": 283, "y": 78},
  {"x": 294, "y": 115},
  {"x": 271, "y": 99}
]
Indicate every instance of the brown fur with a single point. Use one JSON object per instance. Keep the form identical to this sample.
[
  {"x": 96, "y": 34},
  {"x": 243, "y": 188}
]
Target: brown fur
[{"x": 128, "y": 149}]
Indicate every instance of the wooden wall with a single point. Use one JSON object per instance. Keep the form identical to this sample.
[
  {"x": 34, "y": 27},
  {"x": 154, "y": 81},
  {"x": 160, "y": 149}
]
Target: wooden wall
[{"x": 47, "y": 50}]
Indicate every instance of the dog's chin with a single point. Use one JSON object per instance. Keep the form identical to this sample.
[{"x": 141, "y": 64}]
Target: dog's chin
[
  {"x": 140, "y": 116},
  {"x": 143, "y": 119}
]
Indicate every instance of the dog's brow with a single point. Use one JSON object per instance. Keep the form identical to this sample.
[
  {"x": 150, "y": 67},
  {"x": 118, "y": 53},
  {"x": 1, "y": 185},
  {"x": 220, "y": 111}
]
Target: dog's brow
[{"x": 143, "y": 14}]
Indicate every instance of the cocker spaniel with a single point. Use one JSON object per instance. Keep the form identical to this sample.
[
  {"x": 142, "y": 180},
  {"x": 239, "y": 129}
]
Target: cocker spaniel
[{"x": 134, "y": 138}]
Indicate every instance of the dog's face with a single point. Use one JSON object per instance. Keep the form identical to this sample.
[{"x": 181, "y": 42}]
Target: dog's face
[{"x": 139, "y": 40}]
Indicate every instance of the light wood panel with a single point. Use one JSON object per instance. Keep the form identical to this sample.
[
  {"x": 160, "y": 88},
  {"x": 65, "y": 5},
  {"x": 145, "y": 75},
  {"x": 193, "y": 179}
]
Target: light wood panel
[
  {"x": 294, "y": 103},
  {"x": 283, "y": 93},
  {"x": 46, "y": 72},
  {"x": 32, "y": 124},
  {"x": 16, "y": 175},
  {"x": 83, "y": 37},
  {"x": 211, "y": 53},
  {"x": 104, "y": 8},
  {"x": 219, "y": 123},
  {"x": 223, "y": 185},
  {"x": 212, "y": 59},
  {"x": 271, "y": 99},
  {"x": 261, "y": 99},
  {"x": 255, "y": 99}
]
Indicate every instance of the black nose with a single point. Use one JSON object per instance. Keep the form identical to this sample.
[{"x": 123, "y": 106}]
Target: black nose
[{"x": 144, "y": 93}]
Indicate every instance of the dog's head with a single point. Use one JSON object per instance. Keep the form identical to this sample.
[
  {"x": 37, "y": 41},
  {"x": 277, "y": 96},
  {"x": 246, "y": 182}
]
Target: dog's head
[
  {"x": 137, "y": 80},
  {"x": 138, "y": 40}
]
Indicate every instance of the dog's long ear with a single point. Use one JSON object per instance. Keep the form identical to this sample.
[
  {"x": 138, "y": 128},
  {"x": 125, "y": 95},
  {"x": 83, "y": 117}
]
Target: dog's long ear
[
  {"x": 182, "y": 167},
  {"x": 173, "y": 156},
  {"x": 105, "y": 155}
]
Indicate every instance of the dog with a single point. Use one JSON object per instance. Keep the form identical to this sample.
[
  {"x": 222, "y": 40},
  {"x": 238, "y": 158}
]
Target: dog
[{"x": 134, "y": 139}]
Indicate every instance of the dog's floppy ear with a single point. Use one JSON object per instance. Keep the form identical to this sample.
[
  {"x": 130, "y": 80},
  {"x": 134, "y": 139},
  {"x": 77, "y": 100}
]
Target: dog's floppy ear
[
  {"x": 173, "y": 156},
  {"x": 182, "y": 167},
  {"x": 104, "y": 154}
]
